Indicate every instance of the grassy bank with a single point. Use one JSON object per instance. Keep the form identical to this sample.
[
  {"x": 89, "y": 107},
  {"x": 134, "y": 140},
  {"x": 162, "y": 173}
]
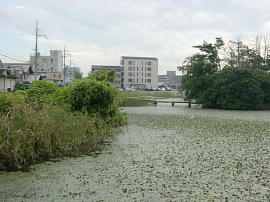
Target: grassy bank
[
  {"x": 133, "y": 101},
  {"x": 160, "y": 94},
  {"x": 138, "y": 99},
  {"x": 46, "y": 122}
]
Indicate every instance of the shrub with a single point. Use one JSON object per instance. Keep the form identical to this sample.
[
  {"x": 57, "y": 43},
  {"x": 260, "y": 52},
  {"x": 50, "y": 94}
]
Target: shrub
[
  {"x": 91, "y": 96},
  {"x": 237, "y": 88},
  {"x": 39, "y": 92}
]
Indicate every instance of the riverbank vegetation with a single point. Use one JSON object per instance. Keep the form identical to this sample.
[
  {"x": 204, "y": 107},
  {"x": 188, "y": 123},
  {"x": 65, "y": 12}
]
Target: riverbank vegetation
[
  {"x": 241, "y": 80},
  {"x": 140, "y": 98},
  {"x": 47, "y": 121}
]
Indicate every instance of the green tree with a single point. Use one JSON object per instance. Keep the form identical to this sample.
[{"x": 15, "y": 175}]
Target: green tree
[
  {"x": 78, "y": 75},
  {"x": 239, "y": 88},
  {"x": 103, "y": 75},
  {"x": 240, "y": 55},
  {"x": 198, "y": 69}
]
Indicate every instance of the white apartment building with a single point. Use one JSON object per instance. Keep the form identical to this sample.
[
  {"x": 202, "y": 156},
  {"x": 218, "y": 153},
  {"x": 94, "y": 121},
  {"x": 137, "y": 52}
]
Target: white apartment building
[
  {"x": 139, "y": 72},
  {"x": 51, "y": 63}
]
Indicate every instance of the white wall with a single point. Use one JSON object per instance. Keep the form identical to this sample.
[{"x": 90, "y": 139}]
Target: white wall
[
  {"x": 52, "y": 63},
  {"x": 6, "y": 83}
]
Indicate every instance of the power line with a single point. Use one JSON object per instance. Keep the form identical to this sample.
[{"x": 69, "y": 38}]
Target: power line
[
  {"x": 12, "y": 58},
  {"x": 12, "y": 55}
]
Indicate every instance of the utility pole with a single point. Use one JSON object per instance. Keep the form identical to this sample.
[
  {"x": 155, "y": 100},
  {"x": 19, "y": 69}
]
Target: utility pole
[
  {"x": 65, "y": 54},
  {"x": 36, "y": 47}
]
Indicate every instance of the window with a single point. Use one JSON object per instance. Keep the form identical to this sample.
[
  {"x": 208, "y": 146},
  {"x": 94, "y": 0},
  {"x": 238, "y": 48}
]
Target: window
[
  {"x": 149, "y": 63},
  {"x": 130, "y": 68},
  {"x": 137, "y": 80},
  {"x": 137, "y": 74},
  {"x": 148, "y": 80},
  {"x": 142, "y": 74},
  {"x": 130, "y": 74},
  {"x": 130, "y": 80},
  {"x": 130, "y": 62},
  {"x": 137, "y": 69},
  {"x": 149, "y": 69},
  {"x": 149, "y": 74}
]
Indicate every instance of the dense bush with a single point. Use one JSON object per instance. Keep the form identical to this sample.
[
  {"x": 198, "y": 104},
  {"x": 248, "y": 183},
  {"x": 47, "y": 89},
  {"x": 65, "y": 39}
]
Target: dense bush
[
  {"x": 39, "y": 91},
  {"x": 238, "y": 88},
  {"x": 88, "y": 95},
  {"x": 233, "y": 88},
  {"x": 47, "y": 121},
  {"x": 93, "y": 96}
]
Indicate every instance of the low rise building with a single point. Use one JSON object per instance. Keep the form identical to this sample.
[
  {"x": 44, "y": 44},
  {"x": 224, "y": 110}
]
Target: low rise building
[
  {"x": 117, "y": 76},
  {"x": 7, "y": 79},
  {"x": 22, "y": 71},
  {"x": 51, "y": 63},
  {"x": 139, "y": 72},
  {"x": 170, "y": 80},
  {"x": 54, "y": 77}
]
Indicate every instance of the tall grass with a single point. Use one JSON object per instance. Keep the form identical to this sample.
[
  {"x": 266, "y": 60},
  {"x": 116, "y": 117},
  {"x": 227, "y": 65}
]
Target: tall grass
[{"x": 28, "y": 136}]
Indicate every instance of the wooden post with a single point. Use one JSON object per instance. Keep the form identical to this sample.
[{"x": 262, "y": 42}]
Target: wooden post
[{"x": 172, "y": 104}]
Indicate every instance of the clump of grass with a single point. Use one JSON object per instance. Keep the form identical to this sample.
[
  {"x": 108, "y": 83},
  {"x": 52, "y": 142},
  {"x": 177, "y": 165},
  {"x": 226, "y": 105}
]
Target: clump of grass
[{"x": 28, "y": 136}]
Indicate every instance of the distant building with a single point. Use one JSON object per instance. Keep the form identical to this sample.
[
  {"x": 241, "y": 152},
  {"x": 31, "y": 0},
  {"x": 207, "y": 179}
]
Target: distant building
[
  {"x": 7, "y": 79},
  {"x": 118, "y": 73},
  {"x": 169, "y": 80},
  {"x": 54, "y": 77},
  {"x": 22, "y": 71},
  {"x": 69, "y": 74},
  {"x": 139, "y": 72},
  {"x": 51, "y": 63}
]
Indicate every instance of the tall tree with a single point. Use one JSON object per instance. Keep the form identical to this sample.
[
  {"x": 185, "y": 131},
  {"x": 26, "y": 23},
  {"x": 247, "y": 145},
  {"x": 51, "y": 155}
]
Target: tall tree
[{"x": 198, "y": 69}]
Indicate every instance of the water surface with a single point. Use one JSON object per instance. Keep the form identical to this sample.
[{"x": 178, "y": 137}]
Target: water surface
[{"x": 164, "y": 154}]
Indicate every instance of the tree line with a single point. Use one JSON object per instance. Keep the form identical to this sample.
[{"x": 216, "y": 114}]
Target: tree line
[{"x": 229, "y": 76}]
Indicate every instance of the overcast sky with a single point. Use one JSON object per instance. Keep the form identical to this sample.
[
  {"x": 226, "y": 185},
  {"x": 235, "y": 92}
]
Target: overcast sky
[{"x": 100, "y": 31}]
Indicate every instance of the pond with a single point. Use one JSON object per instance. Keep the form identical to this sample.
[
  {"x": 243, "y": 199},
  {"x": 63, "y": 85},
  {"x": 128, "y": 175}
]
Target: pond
[{"x": 164, "y": 154}]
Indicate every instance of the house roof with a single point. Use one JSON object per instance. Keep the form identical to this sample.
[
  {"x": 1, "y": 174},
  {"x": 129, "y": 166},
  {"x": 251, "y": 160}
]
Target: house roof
[
  {"x": 6, "y": 73},
  {"x": 24, "y": 67}
]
